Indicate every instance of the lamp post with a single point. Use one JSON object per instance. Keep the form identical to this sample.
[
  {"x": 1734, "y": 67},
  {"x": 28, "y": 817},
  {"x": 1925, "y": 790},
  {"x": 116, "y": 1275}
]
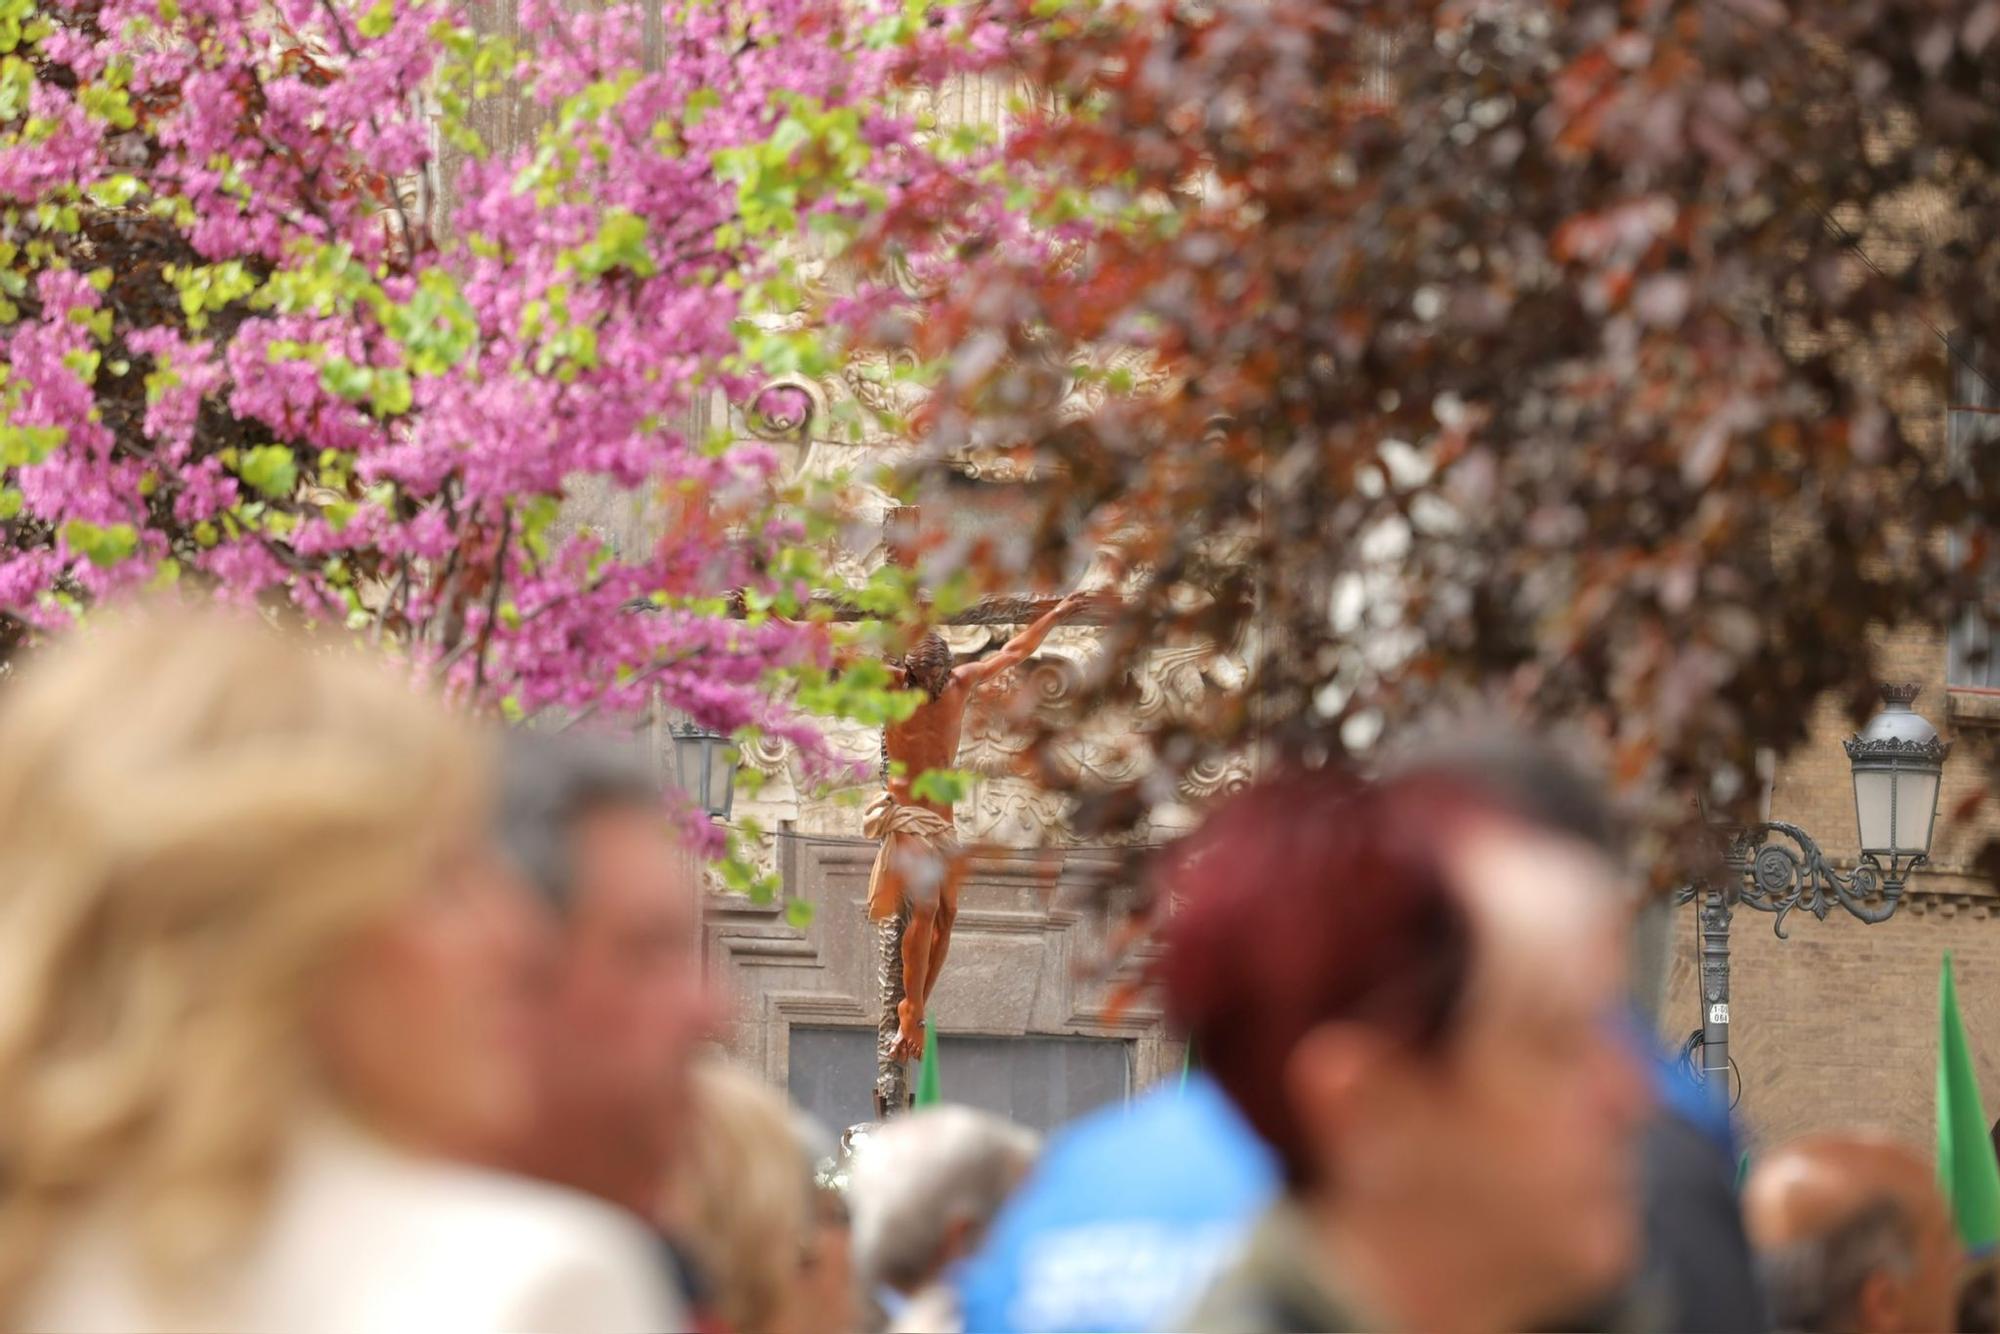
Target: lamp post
[
  {"x": 1897, "y": 761},
  {"x": 704, "y": 766}
]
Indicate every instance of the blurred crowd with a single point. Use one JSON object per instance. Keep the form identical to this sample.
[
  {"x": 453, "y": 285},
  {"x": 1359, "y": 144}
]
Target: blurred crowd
[{"x": 322, "y": 1008}]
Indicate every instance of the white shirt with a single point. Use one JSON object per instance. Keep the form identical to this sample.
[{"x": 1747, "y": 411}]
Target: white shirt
[{"x": 365, "y": 1238}]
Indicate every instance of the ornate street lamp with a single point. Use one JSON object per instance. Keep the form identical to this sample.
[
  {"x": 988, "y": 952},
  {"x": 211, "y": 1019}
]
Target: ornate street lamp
[
  {"x": 1898, "y": 761},
  {"x": 704, "y": 766}
]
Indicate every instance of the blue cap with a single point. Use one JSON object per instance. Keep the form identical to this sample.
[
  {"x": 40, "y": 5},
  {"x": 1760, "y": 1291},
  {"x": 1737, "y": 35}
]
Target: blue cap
[{"x": 1125, "y": 1220}]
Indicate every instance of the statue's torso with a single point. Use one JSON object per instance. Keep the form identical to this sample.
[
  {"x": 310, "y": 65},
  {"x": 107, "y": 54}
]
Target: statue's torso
[{"x": 927, "y": 739}]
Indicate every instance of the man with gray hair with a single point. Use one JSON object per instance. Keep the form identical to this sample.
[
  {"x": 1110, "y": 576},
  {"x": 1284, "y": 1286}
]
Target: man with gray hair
[
  {"x": 923, "y": 1189},
  {"x": 628, "y": 1006},
  {"x": 1853, "y": 1237}
]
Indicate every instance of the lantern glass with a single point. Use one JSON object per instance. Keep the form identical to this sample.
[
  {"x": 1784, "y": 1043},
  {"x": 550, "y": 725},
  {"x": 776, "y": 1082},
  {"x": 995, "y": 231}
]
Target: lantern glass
[
  {"x": 687, "y": 763},
  {"x": 1875, "y": 809},
  {"x": 1915, "y": 812}
]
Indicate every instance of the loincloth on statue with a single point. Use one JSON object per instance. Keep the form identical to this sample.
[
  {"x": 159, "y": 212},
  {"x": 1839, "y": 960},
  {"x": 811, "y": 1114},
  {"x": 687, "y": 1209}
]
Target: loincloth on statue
[{"x": 918, "y": 843}]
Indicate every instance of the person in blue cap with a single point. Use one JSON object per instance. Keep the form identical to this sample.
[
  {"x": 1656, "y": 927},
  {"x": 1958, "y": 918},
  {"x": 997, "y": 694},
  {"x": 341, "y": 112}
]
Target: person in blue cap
[{"x": 1130, "y": 1213}]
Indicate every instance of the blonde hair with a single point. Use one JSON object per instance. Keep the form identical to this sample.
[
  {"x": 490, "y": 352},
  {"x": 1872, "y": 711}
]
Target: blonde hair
[
  {"x": 741, "y": 1197},
  {"x": 196, "y": 812}
]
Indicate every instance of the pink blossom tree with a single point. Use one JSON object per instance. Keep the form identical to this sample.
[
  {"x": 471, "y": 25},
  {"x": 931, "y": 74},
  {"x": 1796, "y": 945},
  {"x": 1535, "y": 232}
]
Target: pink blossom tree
[{"x": 277, "y": 320}]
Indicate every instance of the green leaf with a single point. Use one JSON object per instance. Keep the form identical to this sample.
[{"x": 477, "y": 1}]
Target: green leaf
[
  {"x": 621, "y": 244},
  {"x": 107, "y": 104},
  {"x": 102, "y": 545},
  {"x": 17, "y": 81},
  {"x": 344, "y": 379},
  {"x": 864, "y": 693},
  {"x": 699, "y": 103},
  {"x": 160, "y": 379},
  {"x": 798, "y": 914},
  {"x": 381, "y": 16},
  {"x": 536, "y": 514},
  {"x": 391, "y": 394},
  {"x": 740, "y": 877},
  {"x": 436, "y": 327},
  {"x": 750, "y": 781},
  {"x": 943, "y": 786},
  {"x": 790, "y": 136},
  {"x": 271, "y": 469},
  {"x": 115, "y": 192},
  {"x": 737, "y": 875},
  {"x": 210, "y": 287},
  {"x": 23, "y": 445}
]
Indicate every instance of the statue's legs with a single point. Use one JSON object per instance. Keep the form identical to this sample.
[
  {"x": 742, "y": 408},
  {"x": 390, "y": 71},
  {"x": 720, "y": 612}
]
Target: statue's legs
[
  {"x": 947, "y": 914},
  {"x": 892, "y": 1077}
]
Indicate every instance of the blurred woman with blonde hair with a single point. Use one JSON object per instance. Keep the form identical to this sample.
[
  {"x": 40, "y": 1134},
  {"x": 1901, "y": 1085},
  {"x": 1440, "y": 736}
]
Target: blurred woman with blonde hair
[
  {"x": 259, "y": 984},
  {"x": 741, "y": 1201}
]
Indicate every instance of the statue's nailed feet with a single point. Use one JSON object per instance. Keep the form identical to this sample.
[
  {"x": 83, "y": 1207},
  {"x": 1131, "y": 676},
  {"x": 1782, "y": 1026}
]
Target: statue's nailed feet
[{"x": 909, "y": 1032}]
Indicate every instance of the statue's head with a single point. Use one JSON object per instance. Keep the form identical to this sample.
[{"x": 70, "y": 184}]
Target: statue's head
[{"x": 928, "y": 664}]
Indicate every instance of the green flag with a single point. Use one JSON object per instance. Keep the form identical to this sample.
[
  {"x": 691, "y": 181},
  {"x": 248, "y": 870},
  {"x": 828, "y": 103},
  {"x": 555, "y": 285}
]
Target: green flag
[
  {"x": 1966, "y": 1163},
  {"x": 927, "y": 1077}
]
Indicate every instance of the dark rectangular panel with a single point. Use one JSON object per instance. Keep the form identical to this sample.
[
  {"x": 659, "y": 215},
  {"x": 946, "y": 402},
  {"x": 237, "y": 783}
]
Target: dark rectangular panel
[{"x": 1039, "y": 1082}]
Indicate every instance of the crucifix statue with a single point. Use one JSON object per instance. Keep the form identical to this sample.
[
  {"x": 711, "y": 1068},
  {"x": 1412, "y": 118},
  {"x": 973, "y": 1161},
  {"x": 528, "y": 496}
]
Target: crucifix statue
[{"x": 913, "y": 888}]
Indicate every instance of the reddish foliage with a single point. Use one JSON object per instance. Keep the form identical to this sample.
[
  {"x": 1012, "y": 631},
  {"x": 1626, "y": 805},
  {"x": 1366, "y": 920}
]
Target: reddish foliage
[{"x": 1549, "y": 359}]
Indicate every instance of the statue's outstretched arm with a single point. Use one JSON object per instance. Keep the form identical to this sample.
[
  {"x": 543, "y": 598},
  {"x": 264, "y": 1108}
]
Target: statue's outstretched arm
[{"x": 1022, "y": 646}]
